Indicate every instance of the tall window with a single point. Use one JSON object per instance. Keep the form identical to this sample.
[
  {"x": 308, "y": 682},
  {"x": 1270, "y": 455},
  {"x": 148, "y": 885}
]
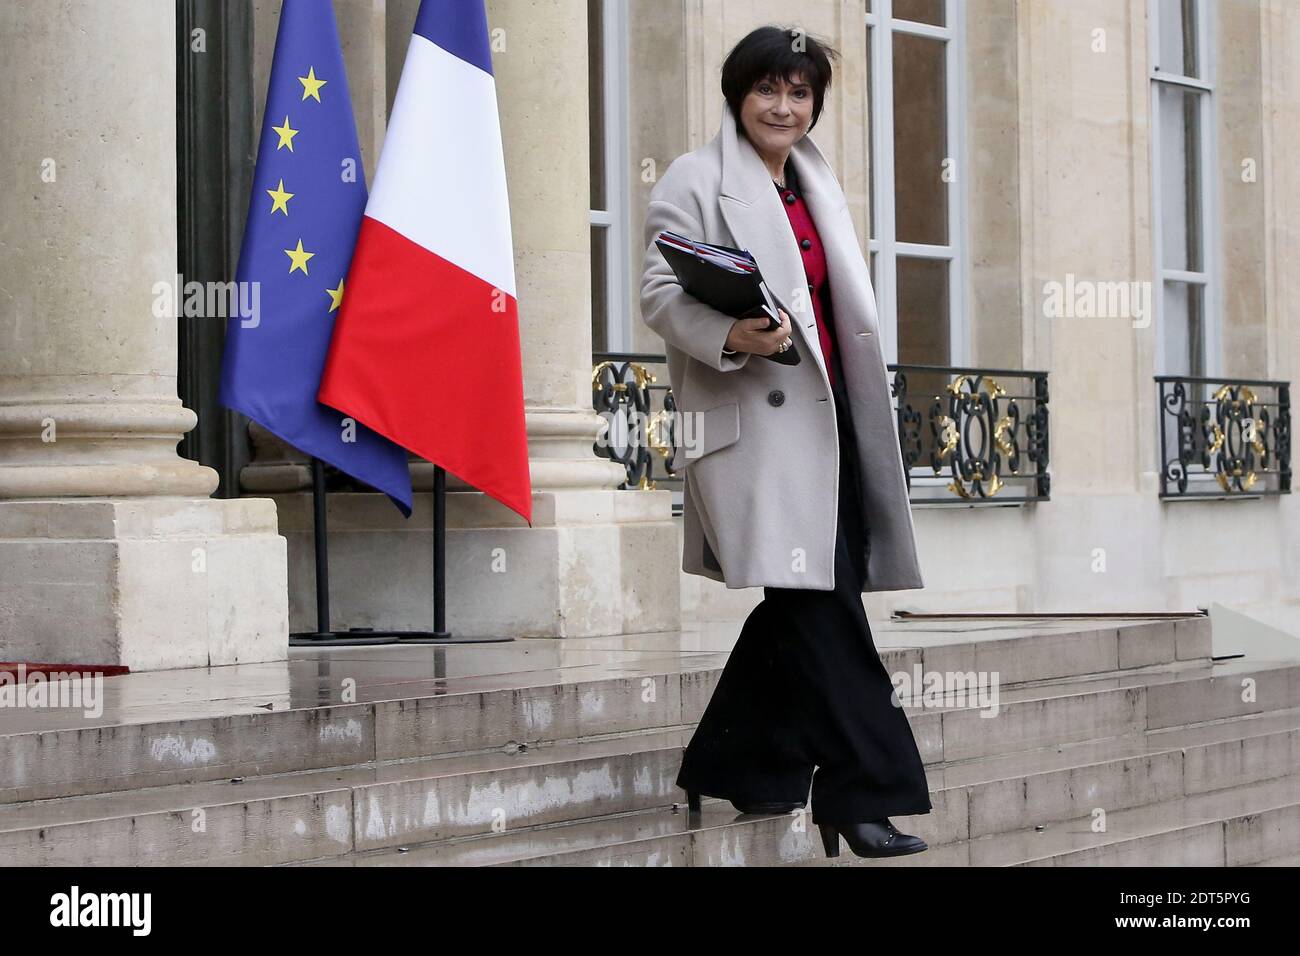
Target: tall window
[
  {"x": 1183, "y": 192},
  {"x": 607, "y": 64},
  {"x": 918, "y": 174}
]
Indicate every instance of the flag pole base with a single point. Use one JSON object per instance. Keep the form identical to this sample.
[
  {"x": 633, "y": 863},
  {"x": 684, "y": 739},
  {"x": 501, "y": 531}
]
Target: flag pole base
[
  {"x": 338, "y": 638},
  {"x": 361, "y": 636},
  {"x": 434, "y": 637}
]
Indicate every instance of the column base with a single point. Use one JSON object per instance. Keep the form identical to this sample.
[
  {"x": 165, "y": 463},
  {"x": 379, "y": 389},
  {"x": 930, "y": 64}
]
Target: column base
[
  {"x": 595, "y": 562},
  {"x": 151, "y": 583}
]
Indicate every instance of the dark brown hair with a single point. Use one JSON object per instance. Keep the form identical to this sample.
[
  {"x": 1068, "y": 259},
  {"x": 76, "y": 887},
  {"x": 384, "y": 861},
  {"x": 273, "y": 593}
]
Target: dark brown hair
[{"x": 771, "y": 52}]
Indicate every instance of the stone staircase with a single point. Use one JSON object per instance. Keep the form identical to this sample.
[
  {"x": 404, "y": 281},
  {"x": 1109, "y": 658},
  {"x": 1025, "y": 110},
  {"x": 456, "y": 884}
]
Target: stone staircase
[{"x": 1113, "y": 744}]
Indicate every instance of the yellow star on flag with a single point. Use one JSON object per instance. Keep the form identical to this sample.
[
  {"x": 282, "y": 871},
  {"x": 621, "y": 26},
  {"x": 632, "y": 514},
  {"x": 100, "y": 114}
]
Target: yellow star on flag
[
  {"x": 336, "y": 296},
  {"x": 279, "y": 199},
  {"x": 310, "y": 85},
  {"x": 299, "y": 258},
  {"x": 287, "y": 133}
]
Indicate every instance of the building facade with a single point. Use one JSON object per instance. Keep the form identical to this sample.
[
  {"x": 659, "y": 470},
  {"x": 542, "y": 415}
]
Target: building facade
[{"x": 1078, "y": 221}]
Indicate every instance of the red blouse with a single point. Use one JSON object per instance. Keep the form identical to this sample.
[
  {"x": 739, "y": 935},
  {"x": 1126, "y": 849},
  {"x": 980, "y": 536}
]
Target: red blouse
[{"x": 814, "y": 265}]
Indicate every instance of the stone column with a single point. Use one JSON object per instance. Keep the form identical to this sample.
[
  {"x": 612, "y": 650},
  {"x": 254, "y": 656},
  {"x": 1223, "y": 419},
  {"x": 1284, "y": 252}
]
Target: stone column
[
  {"x": 110, "y": 550},
  {"x": 617, "y": 552}
]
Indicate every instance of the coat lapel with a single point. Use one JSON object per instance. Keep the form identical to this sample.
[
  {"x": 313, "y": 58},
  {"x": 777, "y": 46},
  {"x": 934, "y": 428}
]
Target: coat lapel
[{"x": 753, "y": 212}]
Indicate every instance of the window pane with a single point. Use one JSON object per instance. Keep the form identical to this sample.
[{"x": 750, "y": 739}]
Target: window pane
[
  {"x": 596, "y": 99},
  {"x": 923, "y": 311},
  {"x": 1176, "y": 43},
  {"x": 920, "y": 140},
  {"x": 920, "y": 11},
  {"x": 1180, "y": 176},
  {"x": 599, "y": 283},
  {"x": 871, "y": 136},
  {"x": 1184, "y": 328}
]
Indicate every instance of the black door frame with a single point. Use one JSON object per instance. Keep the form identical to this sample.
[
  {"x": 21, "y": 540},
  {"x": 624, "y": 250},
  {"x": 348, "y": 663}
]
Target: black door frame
[{"x": 215, "y": 146}]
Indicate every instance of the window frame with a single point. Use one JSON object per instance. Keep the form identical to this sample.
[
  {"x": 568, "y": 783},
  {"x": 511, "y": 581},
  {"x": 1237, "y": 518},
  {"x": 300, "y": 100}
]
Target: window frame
[
  {"x": 613, "y": 220},
  {"x": 1208, "y": 148},
  {"x": 883, "y": 242}
]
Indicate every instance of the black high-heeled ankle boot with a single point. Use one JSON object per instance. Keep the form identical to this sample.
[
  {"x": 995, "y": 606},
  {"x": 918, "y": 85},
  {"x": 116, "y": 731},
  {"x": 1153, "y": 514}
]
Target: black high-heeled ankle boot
[{"x": 876, "y": 838}]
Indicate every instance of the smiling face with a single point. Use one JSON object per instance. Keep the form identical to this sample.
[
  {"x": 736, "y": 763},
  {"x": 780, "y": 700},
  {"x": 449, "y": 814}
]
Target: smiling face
[{"x": 776, "y": 114}]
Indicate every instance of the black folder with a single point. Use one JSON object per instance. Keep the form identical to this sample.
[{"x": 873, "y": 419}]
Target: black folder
[{"x": 727, "y": 279}]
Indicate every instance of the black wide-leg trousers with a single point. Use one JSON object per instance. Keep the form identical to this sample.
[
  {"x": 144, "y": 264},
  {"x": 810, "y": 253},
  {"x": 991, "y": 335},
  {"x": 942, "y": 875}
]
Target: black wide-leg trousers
[{"x": 805, "y": 699}]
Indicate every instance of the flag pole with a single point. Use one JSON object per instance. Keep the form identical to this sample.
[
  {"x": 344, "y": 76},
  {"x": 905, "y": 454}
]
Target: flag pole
[
  {"x": 440, "y": 552},
  {"x": 322, "y": 552},
  {"x": 323, "y": 636},
  {"x": 440, "y": 634}
]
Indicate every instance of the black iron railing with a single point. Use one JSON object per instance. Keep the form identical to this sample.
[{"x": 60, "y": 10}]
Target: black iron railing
[
  {"x": 640, "y": 430},
  {"x": 966, "y": 435},
  {"x": 1221, "y": 438},
  {"x": 984, "y": 430}
]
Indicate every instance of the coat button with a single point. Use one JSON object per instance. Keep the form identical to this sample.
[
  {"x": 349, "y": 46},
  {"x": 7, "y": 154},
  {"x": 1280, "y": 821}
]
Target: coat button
[
  {"x": 776, "y": 397},
  {"x": 789, "y": 199},
  {"x": 806, "y": 244}
]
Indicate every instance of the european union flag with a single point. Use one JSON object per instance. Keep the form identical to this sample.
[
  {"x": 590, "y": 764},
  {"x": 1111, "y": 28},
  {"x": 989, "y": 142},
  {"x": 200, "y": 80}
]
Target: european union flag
[{"x": 309, "y": 193}]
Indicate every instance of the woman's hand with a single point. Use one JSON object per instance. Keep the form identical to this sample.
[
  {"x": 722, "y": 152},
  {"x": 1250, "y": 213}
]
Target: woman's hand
[{"x": 750, "y": 335}]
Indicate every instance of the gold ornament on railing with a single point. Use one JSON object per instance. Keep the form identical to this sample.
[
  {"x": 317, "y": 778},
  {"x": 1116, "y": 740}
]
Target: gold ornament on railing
[{"x": 949, "y": 434}]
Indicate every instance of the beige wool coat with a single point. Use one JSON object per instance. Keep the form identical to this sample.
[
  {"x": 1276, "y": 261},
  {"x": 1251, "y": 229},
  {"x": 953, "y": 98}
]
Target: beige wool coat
[{"x": 761, "y": 448}]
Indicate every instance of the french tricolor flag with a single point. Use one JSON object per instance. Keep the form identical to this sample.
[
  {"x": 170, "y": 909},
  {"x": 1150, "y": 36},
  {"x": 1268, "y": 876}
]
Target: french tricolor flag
[{"x": 426, "y": 345}]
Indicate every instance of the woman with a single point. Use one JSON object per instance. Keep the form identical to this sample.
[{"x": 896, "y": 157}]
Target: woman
[{"x": 795, "y": 483}]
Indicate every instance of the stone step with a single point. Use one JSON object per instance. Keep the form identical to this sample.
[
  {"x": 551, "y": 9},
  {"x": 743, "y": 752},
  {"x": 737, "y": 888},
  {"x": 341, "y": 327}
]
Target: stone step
[
  {"x": 1033, "y": 650},
  {"x": 297, "y": 816},
  {"x": 994, "y": 795},
  {"x": 64, "y": 755},
  {"x": 1291, "y": 859},
  {"x": 280, "y": 817},
  {"x": 1030, "y": 717},
  {"x": 1243, "y": 825},
  {"x": 1233, "y": 827}
]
